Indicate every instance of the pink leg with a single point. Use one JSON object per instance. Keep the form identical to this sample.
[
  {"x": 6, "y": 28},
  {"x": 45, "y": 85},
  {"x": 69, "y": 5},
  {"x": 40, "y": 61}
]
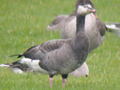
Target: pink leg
[
  {"x": 51, "y": 81},
  {"x": 63, "y": 82}
]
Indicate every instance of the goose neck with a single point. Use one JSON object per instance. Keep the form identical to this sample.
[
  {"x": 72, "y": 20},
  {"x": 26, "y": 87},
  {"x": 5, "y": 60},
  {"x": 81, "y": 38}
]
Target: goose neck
[{"x": 80, "y": 23}]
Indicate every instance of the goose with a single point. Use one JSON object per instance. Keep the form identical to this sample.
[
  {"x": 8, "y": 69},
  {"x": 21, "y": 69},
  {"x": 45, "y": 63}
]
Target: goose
[
  {"x": 94, "y": 28},
  {"x": 64, "y": 55},
  {"x": 29, "y": 65}
]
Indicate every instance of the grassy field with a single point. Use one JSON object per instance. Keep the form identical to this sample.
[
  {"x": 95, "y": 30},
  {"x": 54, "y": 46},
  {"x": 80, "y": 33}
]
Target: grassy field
[{"x": 23, "y": 24}]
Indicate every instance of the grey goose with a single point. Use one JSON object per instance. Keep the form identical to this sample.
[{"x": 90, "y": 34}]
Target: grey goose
[{"x": 65, "y": 55}]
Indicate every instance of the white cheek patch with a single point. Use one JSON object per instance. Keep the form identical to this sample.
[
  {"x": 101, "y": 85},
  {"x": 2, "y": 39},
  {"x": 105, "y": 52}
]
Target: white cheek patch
[{"x": 82, "y": 11}]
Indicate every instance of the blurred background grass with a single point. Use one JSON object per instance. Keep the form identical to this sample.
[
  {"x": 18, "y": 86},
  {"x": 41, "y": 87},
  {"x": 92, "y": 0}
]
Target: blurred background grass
[{"x": 23, "y": 24}]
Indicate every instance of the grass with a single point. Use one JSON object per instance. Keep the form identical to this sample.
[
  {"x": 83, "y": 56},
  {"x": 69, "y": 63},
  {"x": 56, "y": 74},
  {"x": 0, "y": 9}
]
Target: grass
[{"x": 23, "y": 24}]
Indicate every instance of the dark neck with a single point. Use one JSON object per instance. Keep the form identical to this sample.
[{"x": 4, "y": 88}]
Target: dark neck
[
  {"x": 80, "y": 42},
  {"x": 80, "y": 23}
]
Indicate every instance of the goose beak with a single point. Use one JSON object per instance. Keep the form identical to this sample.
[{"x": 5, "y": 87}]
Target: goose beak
[{"x": 92, "y": 11}]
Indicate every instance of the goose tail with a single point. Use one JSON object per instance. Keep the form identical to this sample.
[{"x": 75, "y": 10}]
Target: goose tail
[{"x": 113, "y": 26}]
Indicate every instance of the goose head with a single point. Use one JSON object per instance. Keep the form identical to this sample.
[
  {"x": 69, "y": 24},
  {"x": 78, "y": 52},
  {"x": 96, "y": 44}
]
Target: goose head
[
  {"x": 83, "y": 2},
  {"x": 85, "y": 9}
]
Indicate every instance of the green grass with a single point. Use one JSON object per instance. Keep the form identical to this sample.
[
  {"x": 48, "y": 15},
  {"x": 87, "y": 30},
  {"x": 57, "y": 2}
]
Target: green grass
[{"x": 23, "y": 24}]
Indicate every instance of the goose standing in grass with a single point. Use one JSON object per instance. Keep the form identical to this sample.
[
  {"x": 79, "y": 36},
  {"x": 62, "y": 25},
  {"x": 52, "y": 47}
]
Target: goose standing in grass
[
  {"x": 94, "y": 28},
  {"x": 65, "y": 55}
]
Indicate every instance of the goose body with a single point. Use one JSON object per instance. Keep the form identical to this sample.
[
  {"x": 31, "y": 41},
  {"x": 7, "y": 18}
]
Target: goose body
[{"x": 60, "y": 59}]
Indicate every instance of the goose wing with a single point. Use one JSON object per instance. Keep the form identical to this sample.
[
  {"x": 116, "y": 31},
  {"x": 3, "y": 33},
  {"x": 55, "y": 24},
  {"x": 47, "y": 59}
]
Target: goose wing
[{"x": 36, "y": 52}]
